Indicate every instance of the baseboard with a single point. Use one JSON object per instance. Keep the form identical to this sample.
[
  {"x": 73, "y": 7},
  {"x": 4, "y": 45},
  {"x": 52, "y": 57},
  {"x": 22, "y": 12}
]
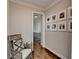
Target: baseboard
[
  {"x": 55, "y": 53},
  {"x": 50, "y": 53}
]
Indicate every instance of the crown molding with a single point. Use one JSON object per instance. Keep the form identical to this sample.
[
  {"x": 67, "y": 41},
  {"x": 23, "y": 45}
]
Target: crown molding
[
  {"x": 34, "y": 6},
  {"x": 27, "y": 4},
  {"x": 51, "y": 5}
]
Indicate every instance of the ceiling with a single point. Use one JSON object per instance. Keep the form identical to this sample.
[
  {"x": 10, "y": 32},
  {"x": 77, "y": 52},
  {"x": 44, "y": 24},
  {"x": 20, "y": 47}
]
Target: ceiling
[{"x": 39, "y": 3}]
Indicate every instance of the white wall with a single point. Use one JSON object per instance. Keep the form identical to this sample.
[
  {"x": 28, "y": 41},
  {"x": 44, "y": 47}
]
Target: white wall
[
  {"x": 59, "y": 42},
  {"x": 21, "y": 21}
]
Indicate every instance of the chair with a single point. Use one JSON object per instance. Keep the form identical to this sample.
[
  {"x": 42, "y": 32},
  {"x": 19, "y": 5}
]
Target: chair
[
  {"x": 18, "y": 49},
  {"x": 16, "y": 44}
]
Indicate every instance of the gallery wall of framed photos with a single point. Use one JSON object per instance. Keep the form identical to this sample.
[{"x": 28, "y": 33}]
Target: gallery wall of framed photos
[{"x": 61, "y": 21}]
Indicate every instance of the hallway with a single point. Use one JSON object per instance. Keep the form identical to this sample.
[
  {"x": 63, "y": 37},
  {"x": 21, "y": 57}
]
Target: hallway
[
  {"x": 48, "y": 20},
  {"x": 41, "y": 53}
]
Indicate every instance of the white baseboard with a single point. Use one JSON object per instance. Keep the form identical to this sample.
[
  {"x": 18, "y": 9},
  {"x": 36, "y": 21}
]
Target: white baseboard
[{"x": 58, "y": 54}]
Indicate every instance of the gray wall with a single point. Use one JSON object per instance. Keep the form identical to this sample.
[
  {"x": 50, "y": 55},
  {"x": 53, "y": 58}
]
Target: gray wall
[{"x": 59, "y": 42}]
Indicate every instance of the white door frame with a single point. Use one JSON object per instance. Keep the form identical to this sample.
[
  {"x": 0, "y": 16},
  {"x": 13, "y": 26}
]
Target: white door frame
[{"x": 43, "y": 28}]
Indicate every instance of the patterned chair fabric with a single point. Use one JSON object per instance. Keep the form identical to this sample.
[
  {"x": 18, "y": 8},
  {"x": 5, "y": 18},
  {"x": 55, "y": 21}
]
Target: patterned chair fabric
[{"x": 16, "y": 44}]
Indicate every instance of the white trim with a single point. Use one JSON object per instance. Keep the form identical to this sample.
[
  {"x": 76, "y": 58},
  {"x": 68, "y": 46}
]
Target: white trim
[
  {"x": 52, "y": 4},
  {"x": 34, "y": 6},
  {"x": 43, "y": 29},
  {"x": 32, "y": 31},
  {"x": 27, "y": 4},
  {"x": 58, "y": 54}
]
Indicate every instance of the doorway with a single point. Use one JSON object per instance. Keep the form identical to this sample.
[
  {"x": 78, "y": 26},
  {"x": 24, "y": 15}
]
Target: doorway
[
  {"x": 37, "y": 33},
  {"x": 37, "y": 28}
]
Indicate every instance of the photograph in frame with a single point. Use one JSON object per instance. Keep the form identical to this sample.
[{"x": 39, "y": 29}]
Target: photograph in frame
[
  {"x": 48, "y": 19},
  {"x": 70, "y": 25},
  {"x": 54, "y": 26},
  {"x": 62, "y": 26},
  {"x": 62, "y": 15},
  {"x": 48, "y": 27},
  {"x": 54, "y": 17}
]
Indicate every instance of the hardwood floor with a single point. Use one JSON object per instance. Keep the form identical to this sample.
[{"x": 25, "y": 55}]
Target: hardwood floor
[{"x": 41, "y": 53}]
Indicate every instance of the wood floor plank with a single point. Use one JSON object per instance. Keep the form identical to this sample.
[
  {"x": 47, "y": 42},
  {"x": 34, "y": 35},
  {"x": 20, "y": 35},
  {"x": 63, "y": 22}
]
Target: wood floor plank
[{"x": 41, "y": 53}]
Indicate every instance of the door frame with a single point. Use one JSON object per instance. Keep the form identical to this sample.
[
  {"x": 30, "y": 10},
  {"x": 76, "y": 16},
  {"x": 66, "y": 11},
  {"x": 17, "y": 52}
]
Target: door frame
[{"x": 43, "y": 28}]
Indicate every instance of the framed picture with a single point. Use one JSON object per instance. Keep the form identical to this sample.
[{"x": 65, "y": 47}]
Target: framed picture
[
  {"x": 62, "y": 26},
  {"x": 48, "y": 19},
  {"x": 62, "y": 15},
  {"x": 54, "y": 17},
  {"x": 54, "y": 26},
  {"x": 48, "y": 27},
  {"x": 69, "y": 12},
  {"x": 69, "y": 25}
]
